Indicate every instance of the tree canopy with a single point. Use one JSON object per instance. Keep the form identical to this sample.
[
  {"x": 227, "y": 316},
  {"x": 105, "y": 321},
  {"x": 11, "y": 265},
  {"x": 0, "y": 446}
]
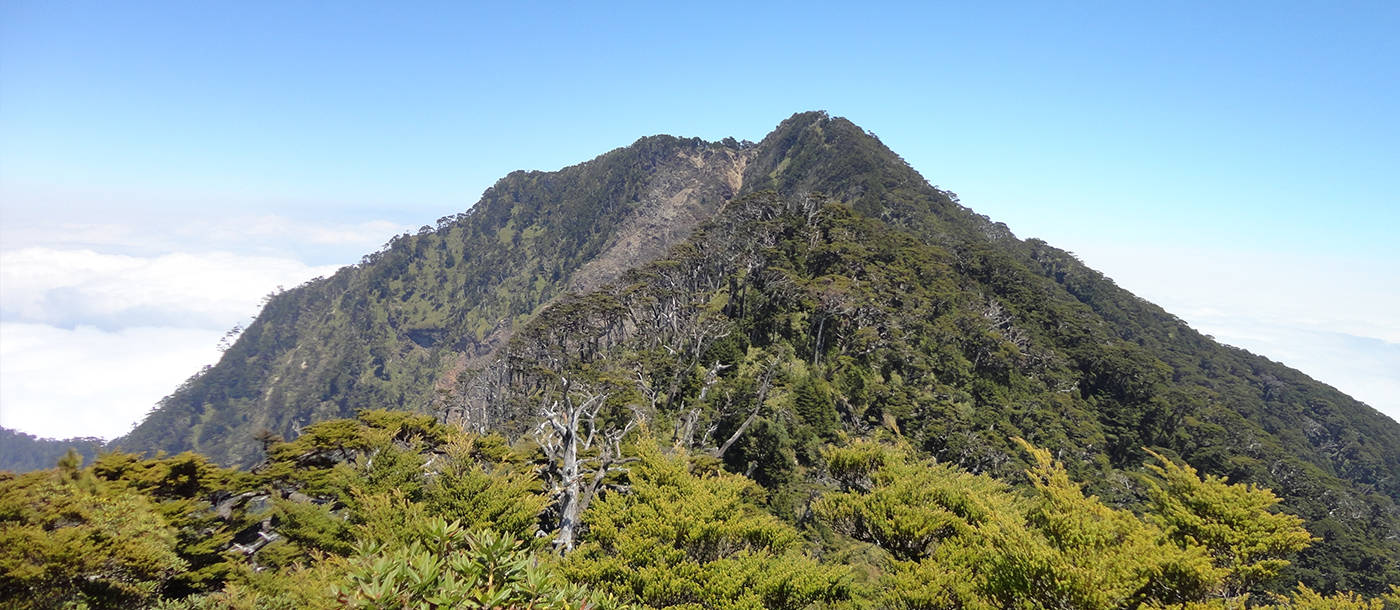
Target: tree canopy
[{"x": 395, "y": 510}]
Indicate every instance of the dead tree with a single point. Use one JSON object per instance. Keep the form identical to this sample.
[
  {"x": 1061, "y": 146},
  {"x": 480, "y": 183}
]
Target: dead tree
[
  {"x": 582, "y": 452},
  {"x": 765, "y": 384},
  {"x": 685, "y": 426}
]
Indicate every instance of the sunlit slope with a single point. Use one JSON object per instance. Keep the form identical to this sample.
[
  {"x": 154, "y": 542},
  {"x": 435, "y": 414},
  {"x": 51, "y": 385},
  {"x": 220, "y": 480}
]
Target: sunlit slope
[
  {"x": 829, "y": 291},
  {"x": 388, "y": 331}
]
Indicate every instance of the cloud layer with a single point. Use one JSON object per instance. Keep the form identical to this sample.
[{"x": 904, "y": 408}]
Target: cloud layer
[
  {"x": 151, "y": 233},
  {"x": 99, "y": 321},
  {"x": 86, "y": 381},
  {"x": 70, "y": 288}
]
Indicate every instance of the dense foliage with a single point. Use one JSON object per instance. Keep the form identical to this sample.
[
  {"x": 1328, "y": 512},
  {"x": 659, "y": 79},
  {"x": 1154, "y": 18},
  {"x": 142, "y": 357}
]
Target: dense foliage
[
  {"x": 790, "y": 321},
  {"x": 829, "y": 294},
  {"x": 398, "y": 511}
]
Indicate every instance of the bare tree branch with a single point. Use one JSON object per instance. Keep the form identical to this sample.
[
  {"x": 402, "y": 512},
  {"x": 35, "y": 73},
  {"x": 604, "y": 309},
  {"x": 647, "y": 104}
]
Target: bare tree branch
[
  {"x": 569, "y": 427},
  {"x": 764, "y": 386}
]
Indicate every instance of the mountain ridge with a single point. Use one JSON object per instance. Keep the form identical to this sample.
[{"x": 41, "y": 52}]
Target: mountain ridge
[
  {"x": 511, "y": 280},
  {"x": 841, "y": 293}
]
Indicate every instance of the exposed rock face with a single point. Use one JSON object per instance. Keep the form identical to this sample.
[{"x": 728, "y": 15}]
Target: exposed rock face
[{"x": 685, "y": 191}]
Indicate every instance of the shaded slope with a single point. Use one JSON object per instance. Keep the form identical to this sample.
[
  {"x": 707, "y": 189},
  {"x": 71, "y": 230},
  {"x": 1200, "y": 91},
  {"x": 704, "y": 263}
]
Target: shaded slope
[
  {"x": 21, "y": 452},
  {"x": 1153, "y": 381},
  {"x": 795, "y": 323},
  {"x": 812, "y": 152}
]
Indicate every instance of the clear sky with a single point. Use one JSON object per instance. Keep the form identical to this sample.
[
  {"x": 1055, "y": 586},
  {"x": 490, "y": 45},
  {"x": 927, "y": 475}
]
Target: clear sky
[{"x": 164, "y": 165}]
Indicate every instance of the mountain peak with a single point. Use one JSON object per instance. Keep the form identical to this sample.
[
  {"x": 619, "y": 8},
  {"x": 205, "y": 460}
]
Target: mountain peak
[{"x": 811, "y": 284}]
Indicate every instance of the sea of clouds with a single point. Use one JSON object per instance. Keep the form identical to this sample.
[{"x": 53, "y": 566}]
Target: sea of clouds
[{"x": 99, "y": 321}]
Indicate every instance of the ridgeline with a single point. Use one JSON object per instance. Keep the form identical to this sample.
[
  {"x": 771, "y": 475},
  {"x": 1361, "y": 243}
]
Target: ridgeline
[{"x": 809, "y": 322}]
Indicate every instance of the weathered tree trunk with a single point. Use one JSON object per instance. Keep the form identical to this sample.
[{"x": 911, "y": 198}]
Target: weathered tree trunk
[
  {"x": 569, "y": 430},
  {"x": 569, "y": 514}
]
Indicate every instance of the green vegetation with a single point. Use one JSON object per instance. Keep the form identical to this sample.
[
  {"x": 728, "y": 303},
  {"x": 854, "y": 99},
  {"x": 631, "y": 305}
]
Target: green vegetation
[
  {"x": 69, "y": 535},
  {"x": 810, "y": 399},
  {"x": 789, "y": 322},
  {"x": 397, "y": 511},
  {"x": 678, "y": 539},
  {"x": 451, "y": 568},
  {"x": 22, "y": 452},
  {"x": 392, "y": 330}
]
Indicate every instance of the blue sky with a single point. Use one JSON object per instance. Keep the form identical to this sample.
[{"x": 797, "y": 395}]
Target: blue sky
[{"x": 1236, "y": 164}]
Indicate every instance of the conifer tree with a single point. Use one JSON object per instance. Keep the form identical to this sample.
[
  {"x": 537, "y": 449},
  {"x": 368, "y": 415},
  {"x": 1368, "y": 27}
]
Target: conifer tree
[{"x": 1236, "y": 522}]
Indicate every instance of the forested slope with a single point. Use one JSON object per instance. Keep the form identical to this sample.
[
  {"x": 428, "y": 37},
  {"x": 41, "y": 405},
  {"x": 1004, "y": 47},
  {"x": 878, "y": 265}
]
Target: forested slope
[
  {"x": 790, "y": 321},
  {"x": 810, "y": 289},
  {"x": 1160, "y": 383},
  {"x": 22, "y": 452},
  {"x": 381, "y": 334}
]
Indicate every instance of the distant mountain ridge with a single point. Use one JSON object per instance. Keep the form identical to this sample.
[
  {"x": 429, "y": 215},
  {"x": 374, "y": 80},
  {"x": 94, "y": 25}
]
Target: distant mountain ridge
[
  {"x": 840, "y": 291},
  {"x": 21, "y": 452}
]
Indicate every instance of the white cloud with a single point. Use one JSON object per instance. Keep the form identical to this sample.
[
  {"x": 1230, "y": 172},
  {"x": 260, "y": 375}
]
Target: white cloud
[
  {"x": 364, "y": 235},
  {"x": 67, "y": 288},
  {"x": 109, "y": 300},
  {"x": 90, "y": 341},
  {"x": 265, "y": 234},
  {"x": 105, "y": 309},
  {"x": 85, "y": 381}
]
